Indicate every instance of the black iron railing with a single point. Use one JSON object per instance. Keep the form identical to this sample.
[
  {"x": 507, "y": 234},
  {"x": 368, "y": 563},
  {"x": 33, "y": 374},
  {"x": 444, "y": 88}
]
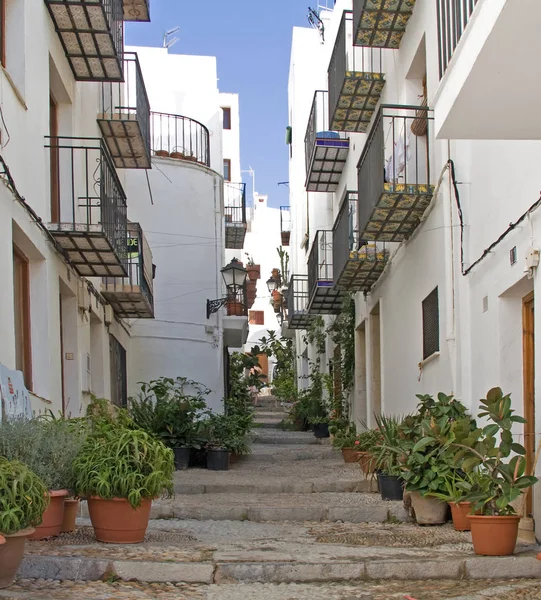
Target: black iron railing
[
  {"x": 318, "y": 126},
  {"x": 345, "y": 233},
  {"x": 92, "y": 35},
  {"x": 395, "y": 158},
  {"x": 237, "y": 305},
  {"x": 320, "y": 260},
  {"x": 126, "y": 104},
  {"x": 234, "y": 203},
  {"x": 179, "y": 137},
  {"x": 90, "y": 196},
  {"x": 297, "y": 302},
  {"x": 139, "y": 266},
  {"x": 453, "y": 16},
  {"x": 347, "y": 58}
]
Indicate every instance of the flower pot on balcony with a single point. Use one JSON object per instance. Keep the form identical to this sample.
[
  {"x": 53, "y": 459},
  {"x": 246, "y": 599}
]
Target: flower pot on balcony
[
  {"x": 162, "y": 153},
  {"x": 177, "y": 155},
  {"x": 71, "y": 509},
  {"x": 254, "y": 272},
  {"x": 285, "y": 238},
  {"x": 235, "y": 309}
]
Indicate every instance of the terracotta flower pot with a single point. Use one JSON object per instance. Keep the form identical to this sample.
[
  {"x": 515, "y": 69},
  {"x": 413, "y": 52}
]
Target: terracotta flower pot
[
  {"x": 162, "y": 153},
  {"x": 235, "y": 309},
  {"x": 460, "y": 512},
  {"x": 116, "y": 522},
  {"x": 350, "y": 455},
  {"x": 11, "y": 555},
  {"x": 53, "y": 517},
  {"x": 428, "y": 510},
  {"x": 176, "y": 155},
  {"x": 253, "y": 272},
  {"x": 285, "y": 237},
  {"x": 71, "y": 509},
  {"x": 494, "y": 536},
  {"x": 366, "y": 462}
]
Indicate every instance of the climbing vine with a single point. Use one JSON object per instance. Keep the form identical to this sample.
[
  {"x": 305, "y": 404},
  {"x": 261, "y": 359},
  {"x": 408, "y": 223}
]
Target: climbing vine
[
  {"x": 316, "y": 334},
  {"x": 342, "y": 332}
]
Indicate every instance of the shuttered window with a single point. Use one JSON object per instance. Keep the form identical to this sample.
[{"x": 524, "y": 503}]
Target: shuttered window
[
  {"x": 431, "y": 324},
  {"x": 256, "y": 317}
]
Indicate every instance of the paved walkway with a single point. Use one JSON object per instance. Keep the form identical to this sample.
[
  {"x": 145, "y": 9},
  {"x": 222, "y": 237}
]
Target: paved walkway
[{"x": 280, "y": 526}]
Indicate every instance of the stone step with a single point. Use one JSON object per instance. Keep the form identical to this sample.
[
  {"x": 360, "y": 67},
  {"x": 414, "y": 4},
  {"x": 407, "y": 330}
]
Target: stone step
[
  {"x": 277, "y": 487},
  {"x": 275, "y": 453},
  {"x": 268, "y": 424},
  {"x": 272, "y": 408},
  {"x": 282, "y": 437}
]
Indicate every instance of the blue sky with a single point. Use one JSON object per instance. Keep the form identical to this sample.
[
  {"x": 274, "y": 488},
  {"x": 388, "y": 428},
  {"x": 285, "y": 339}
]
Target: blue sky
[{"x": 252, "y": 41}]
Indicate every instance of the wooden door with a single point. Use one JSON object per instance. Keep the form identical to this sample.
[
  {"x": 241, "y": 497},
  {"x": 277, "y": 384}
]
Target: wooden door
[{"x": 528, "y": 355}]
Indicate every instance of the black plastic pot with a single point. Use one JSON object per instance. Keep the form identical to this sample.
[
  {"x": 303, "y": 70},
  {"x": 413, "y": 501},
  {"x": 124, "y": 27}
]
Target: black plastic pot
[
  {"x": 391, "y": 487},
  {"x": 218, "y": 460},
  {"x": 321, "y": 430},
  {"x": 182, "y": 458},
  {"x": 198, "y": 458}
]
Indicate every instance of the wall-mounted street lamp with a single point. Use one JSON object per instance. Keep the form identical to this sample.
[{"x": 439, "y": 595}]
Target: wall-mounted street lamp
[
  {"x": 234, "y": 276},
  {"x": 272, "y": 284}
]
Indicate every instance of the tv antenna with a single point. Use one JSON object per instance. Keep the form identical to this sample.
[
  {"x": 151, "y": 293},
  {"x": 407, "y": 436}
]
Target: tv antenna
[
  {"x": 168, "y": 41},
  {"x": 316, "y": 23}
]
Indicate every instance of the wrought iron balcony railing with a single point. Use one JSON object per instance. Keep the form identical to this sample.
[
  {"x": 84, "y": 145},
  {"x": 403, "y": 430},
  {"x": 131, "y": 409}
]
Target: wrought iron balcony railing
[
  {"x": 357, "y": 264},
  {"x": 124, "y": 117},
  {"x": 298, "y": 316},
  {"x": 285, "y": 225},
  {"x": 178, "y": 137},
  {"x": 394, "y": 173},
  {"x": 92, "y": 223},
  {"x": 453, "y": 17},
  {"x": 91, "y": 33},
  {"x": 326, "y": 151},
  {"x": 132, "y": 297},
  {"x": 355, "y": 81},
  {"x": 323, "y": 296},
  {"x": 380, "y": 23},
  {"x": 235, "y": 214},
  {"x": 136, "y": 10}
]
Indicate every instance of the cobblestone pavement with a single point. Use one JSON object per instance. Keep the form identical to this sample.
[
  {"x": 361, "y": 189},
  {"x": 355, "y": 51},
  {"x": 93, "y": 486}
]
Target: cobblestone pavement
[{"x": 39, "y": 589}]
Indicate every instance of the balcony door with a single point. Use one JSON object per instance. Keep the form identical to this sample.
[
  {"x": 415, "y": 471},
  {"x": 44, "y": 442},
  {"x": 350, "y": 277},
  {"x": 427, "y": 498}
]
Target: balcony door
[{"x": 528, "y": 358}]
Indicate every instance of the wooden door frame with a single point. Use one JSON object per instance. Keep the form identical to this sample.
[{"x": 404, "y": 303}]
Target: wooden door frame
[
  {"x": 528, "y": 370},
  {"x": 26, "y": 315}
]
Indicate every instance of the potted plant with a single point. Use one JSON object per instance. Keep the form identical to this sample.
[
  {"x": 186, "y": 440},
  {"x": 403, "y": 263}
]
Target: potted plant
[
  {"x": 365, "y": 443},
  {"x": 344, "y": 439},
  {"x": 427, "y": 465},
  {"x": 120, "y": 470},
  {"x": 457, "y": 485},
  {"x": 218, "y": 439},
  {"x": 177, "y": 153},
  {"x": 254, "y": 271},
  {"x": 47, "y": 445},
  {"x": 161, "y": 153},
  {"x": 23, "y": 500},
  {"x": 498, "y": 477},
  {"x": 389, "y": 457},
  {"x": 234, "y": 308}
]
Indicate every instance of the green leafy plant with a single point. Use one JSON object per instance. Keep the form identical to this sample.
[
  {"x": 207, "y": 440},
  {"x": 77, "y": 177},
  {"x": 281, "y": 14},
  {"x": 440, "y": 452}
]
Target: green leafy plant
[
  {"x": 172, "y": 410},
  {"x": 118, "y": 462},
  {"x": 316, "y": 334},
  {"x": 498, "y": 477},
  {"x": 456, "y": 486},
  {"x": 342, "y": 333},
  {"x": 23, "y": 497},
  {"x": 47, "y": 445},
  {"x": 284, "y": 380},
  {"x": 344, "y": 437},
  {"x": 388, "y": 453},
  {"x": 368, "y": 440}
]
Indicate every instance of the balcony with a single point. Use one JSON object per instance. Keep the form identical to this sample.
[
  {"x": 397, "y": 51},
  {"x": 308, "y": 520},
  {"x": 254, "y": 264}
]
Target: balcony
[
  {"x": 124, "y": 117},
  {"x": 394, "y": 174},
  {"x": 326, "y": 151},
  {"x": 179, "y": 138},
  {"x": 298, "y": 316},
  {"x": 380, "y": 23},
  {"x": 488, "y": 55},
  {"x": 323, "y": 297},
  {"x": 356, "y": 265},
  {"x": 285, "y": 225},
  {"x": 92, "y": 223},
  {"x": 91, "y": 34},
  {"x": 132, "y": 297},
  {"x": 235, "y": 214},
  {"x": 136, "y": 10},
  {"x": 355, "y": 81},
  {"x": 235, "y": 321}
]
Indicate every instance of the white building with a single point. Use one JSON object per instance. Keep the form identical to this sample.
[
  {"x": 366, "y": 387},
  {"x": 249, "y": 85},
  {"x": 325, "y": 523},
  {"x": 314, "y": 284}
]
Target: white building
[
  {"x": 444, "y": 294},
  {"x": 98, "y": 194}
]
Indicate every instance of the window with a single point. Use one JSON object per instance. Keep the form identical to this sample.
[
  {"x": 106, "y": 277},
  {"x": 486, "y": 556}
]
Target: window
[
  {"x": 256, "y": 317},
  {"x": 119, "y": 375},
  {"x": 227, "y": 169},
  {"x": 21, "y": 299},
  {"x": 431, "y": 324},
  {"x": 226, "y": 115}
]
